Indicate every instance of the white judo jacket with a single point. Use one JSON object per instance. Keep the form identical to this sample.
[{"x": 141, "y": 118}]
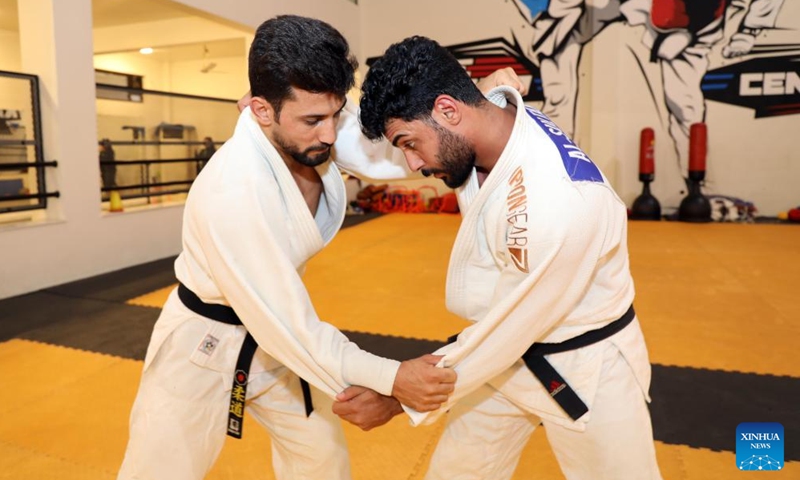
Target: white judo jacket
[
  {"x": 247, "y": 234},
  {"x": 541, "y": 256}
]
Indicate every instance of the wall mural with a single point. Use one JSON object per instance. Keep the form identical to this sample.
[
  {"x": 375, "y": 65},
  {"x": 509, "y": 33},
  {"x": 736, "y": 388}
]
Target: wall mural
[
  {"x": 679, "y": 35},
  {"x": 546, "y": 48}
]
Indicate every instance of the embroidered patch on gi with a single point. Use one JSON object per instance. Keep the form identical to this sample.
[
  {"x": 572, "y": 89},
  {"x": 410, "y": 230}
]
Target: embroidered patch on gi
[
  {"x": 555, "y": 387},
  {"x": 235, "y": 426},
  {"x": 208, "y": 344},
  {"x": 517, "y": 218},
  {"x": 759, "y": 446},
  {"x": 578, "y": 165},
  {"x": 519, "y": 256}
]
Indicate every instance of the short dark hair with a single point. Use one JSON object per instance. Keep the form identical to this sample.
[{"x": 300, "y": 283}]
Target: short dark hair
[
  {"x": 305, "y": 53},
  {"x": 407, "y": 79}
]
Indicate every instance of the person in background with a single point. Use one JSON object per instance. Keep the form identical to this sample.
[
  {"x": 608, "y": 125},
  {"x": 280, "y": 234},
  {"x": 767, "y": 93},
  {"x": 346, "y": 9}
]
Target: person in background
[
  {"x": 205, "y": 153},
  {"x": 108, "y": 171}
]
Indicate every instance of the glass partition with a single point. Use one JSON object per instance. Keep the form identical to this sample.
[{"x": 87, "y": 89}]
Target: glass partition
[
  {"x": 22, "y": 176},
  {"x": 152, "y": 144}
]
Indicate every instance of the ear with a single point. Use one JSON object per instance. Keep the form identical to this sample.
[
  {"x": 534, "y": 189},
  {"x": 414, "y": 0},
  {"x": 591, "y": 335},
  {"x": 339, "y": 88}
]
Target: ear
[
  {"x": 262, "y": 111},
  {"x": 447, "y": 110}
]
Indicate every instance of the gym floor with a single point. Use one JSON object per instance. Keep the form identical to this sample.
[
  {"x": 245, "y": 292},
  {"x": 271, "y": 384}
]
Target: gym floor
[{"x": 718, "y": 304}]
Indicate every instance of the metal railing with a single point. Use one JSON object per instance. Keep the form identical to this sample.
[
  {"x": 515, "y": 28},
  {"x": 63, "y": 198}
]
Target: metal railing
[
  {"x": 148, "y": 187},
  {"x": 156, "y": 177},
  {"x": 17, "y": 185}
]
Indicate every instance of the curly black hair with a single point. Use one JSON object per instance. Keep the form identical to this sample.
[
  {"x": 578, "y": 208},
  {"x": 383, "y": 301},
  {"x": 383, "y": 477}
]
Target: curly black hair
[
  {"x": 407, "y": 79},
  {"x": 305, "y": 53}
]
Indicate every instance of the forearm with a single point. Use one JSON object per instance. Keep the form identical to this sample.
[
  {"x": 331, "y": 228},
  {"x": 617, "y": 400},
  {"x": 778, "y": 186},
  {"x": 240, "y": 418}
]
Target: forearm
[
  {"x": 368, "y": 160},
  {"x": 269, "y": 296},
  {"x": 363, "y": 368}
]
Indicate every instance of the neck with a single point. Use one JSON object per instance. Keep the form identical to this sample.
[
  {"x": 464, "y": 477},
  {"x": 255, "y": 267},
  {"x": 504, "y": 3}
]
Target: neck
[
  {"x": 492, "y": 132},
  {"x": 308, "y": 182}
]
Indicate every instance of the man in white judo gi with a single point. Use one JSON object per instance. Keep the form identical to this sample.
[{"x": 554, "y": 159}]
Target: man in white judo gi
[
  {"x": 540, "y": 264},
  {"x": 261, "y": 208}
]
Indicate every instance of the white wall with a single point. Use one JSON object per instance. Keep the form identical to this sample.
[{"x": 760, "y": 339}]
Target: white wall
[
  {"x": 15, "y": 95},
  {"x": 155, "y": 72},
  {"x": 387, "y": 21},
  {"x": 9, "y": 51},
  {"x": 228, "y": 79},
  {"x": 753, "y": 159},
  {"x": 342, "y": 14}
]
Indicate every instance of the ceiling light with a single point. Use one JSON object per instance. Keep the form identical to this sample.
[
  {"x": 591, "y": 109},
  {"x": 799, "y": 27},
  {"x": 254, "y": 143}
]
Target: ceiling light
[{"x": 146, "y": 51}]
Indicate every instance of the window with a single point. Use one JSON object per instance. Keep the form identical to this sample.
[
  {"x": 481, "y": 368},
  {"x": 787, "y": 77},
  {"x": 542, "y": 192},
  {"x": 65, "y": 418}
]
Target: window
[{"x": 22, "y": 165}]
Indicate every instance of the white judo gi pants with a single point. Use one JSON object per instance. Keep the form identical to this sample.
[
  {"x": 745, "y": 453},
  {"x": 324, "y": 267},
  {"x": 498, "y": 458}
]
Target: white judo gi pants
[
  {"x": 486, "y": 432},
  {"x": 179, "y": 419}
]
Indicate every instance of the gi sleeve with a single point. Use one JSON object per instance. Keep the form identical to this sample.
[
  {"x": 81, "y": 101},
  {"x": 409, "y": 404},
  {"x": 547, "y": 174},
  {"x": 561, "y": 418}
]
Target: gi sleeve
[
  {"x": 550, "y": 258},
  {"x": 368, "y": 160},
  {"x": 251, "y": 266}
]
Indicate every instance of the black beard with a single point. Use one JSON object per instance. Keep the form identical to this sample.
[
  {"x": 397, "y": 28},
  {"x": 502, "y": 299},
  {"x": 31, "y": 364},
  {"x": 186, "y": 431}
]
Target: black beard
[
  {"x": 456, "y": 157},
  {"x": 305, "y": 157},
  {"x": 308, "y": 160}
]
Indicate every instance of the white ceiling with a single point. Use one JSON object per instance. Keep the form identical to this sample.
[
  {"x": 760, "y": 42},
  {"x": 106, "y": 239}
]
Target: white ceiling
[
  {"x": 234, "y": 47},
  {"x": 109, "y": 13},
  {"x": 114, "y": 13}
]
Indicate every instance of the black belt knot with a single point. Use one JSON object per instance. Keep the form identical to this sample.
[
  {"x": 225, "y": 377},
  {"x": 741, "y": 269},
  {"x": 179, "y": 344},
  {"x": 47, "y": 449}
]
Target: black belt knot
[
  {"x": 225, "y": 314},
  {"x": 556, "y": 386}
]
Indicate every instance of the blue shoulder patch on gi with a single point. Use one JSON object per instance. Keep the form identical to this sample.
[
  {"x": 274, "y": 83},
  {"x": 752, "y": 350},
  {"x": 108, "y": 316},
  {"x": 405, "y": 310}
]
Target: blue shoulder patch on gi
[{"x": 578, "y": 165}]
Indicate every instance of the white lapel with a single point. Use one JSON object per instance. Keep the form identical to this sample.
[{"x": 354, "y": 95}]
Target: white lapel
[
  {"x": 472, "y": 198},
  {"x": 333, "y": 203},
  {"x": 309, "y": 241}
]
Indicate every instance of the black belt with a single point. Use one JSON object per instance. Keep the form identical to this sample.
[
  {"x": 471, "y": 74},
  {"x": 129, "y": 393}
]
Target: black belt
[
  {"x": 556, "y": 386},
  {"x": 225, "y": 314}
]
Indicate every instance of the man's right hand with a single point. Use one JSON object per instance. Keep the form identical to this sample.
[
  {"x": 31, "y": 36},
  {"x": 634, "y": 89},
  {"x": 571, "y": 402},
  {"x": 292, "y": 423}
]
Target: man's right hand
[{"x": 423, "y": 386}]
